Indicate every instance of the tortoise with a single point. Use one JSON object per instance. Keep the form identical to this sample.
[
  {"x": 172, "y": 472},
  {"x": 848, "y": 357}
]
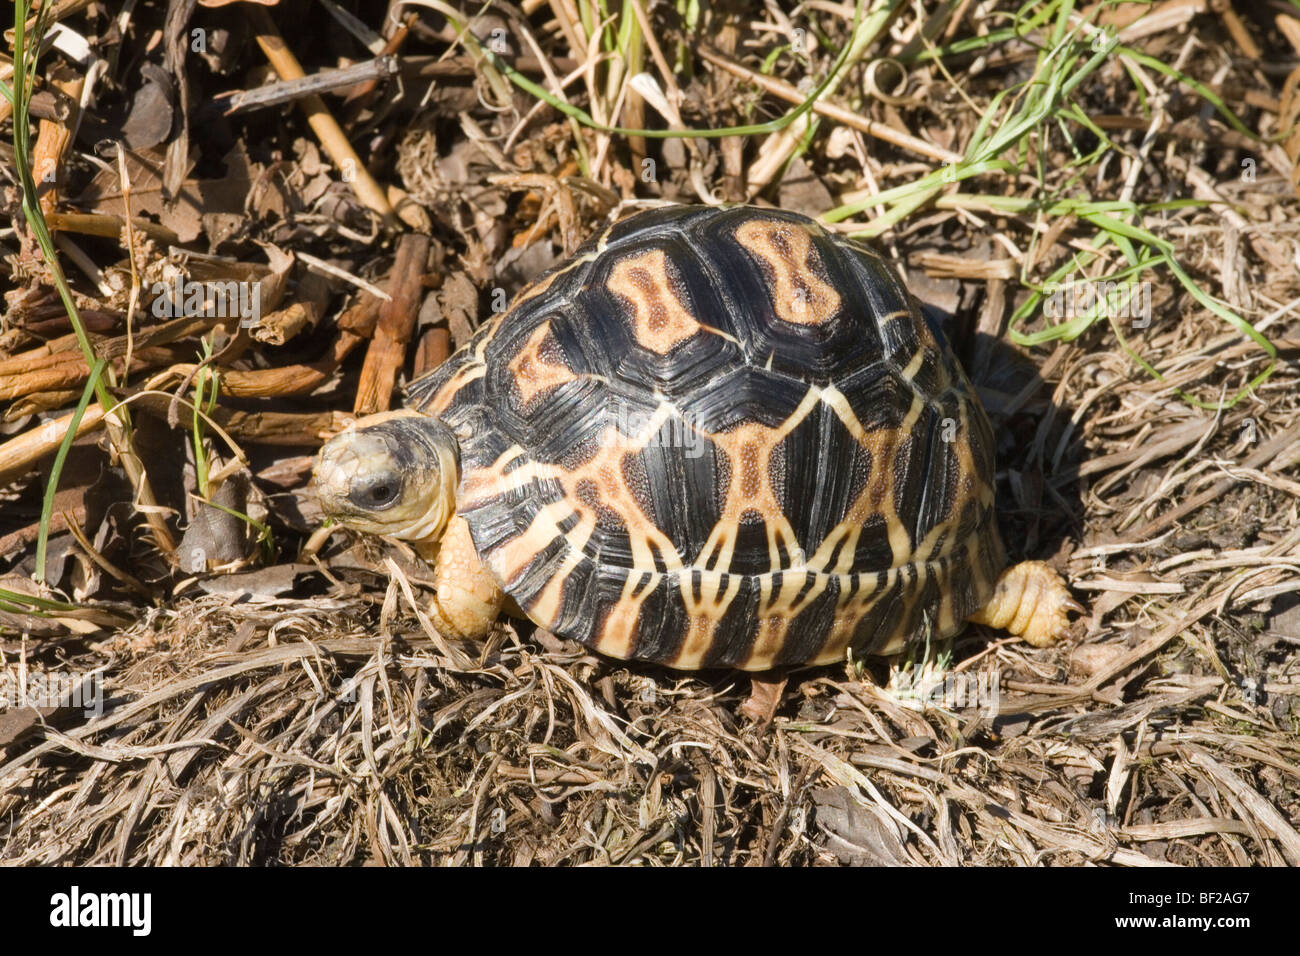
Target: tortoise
[{"x": 715, "y": 437}]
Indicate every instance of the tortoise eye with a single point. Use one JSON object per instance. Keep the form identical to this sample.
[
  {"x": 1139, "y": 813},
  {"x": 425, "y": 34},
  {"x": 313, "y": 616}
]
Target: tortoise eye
[{"x": 376, "y": 491}]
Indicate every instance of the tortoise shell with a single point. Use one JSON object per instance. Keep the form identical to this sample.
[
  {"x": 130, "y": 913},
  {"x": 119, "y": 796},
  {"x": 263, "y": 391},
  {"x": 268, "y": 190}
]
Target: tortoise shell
[{"x": 723, "y": 438}]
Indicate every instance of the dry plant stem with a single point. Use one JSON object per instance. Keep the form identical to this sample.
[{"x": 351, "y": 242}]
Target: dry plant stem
[
  {"x": 297, "y": 429},
  {"x": 1135, "y": 21},
  {"x": 780, "y": 146},
  {"x": 393, "y": 331},
  {"x": 39, "y": 402},
  {"x": 1240, "y": 35},
  {"x": 433, "y": 350},
  {"x": 284, "y": 381},
  {"x": 363, "y": 93},
  {"x": 1262, "y": 456},
  {"x": 135, "y": 471},
  {"x": 310, "y": 303},
  {"x": 436, "y": 68},
  {"x": 107, "y": 226},
  {"x": 320, "y": 119},
  {"x": 124, "y": 181},
  {"x": 320, "y": 265},
  {"x": 67, "y": 369},
  {"x": 1283, "y": 831},
  {"x": 52, "y": 139},
  {"x": 1289, "y": 27},
  {"x": 839, "y": 114},
  {"x": 567, "y": 18},
  {"x": 45, "y": 373},
  {"x": 368, "y": 72},
  {"x": 64, "y": 348},
  {"x": 63, "y": 371},
  {"x": 18, "y": 454}
]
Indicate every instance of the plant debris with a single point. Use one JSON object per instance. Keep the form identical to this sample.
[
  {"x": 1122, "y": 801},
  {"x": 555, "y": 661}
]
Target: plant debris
[{"x": 231, "y": 228}]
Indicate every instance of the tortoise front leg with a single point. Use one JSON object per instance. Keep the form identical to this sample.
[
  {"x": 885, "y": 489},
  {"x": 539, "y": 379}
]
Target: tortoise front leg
[
  {"x": 469, "y": 598},
  {"x": 1030, "y": 600}
]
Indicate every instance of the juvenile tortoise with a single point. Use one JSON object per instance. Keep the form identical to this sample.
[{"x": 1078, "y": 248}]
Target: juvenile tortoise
[{"x": 714, "y": 438}]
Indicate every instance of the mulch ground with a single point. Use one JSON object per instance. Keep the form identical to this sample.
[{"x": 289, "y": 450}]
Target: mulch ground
[{"x": 257, "y": 691}]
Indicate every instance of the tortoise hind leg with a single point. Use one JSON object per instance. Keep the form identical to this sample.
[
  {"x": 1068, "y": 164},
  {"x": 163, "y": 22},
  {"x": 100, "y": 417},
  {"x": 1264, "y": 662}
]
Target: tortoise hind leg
[
  {"x": 1031, "y": 601},
  {"x": 468, "y": 597}
]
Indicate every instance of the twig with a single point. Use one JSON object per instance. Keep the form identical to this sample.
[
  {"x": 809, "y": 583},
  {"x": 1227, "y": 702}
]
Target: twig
[
  {"x": 287, "y": 91},
  {"x": 778, "y": 825},
  {"x": 108, "y": 226},
  {"x": 790, "y": 94},
  {"x": 396, "y": 325},
  {"x": 320, "y": 119},
  {"x": 320, "y": 265}
]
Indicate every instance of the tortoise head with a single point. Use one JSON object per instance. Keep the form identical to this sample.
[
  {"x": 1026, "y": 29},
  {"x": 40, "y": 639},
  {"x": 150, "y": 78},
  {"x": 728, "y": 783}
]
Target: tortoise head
[{"x": 394, "y": 474}]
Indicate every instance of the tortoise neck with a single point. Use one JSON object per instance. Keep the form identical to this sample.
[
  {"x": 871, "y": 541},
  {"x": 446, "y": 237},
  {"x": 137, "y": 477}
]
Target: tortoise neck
[{"x": 443, "y": 473}]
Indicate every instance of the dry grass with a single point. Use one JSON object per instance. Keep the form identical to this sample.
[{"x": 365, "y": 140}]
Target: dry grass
[{"x": 317, "y": 720}]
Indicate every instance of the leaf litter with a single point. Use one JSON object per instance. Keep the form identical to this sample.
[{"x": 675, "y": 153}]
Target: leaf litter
[{"x": 264, "y": 693}]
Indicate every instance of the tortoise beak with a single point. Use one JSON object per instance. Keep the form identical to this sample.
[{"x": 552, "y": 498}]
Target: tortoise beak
[
  {"x": 394, "y": 473},
  {"x": 357, "y": 473}
]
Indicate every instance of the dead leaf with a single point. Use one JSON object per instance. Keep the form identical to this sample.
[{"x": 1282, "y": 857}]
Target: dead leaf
[
  {"x": 262, "y": 584},
  {"x": 18, "y": 724},
  {"x": 218, "y": 536},
  {"x": 801, "y": 191},
  {"x": 152, "y": 111},
  {"x": 459, "y": 300},
  {"x": 199, "y": 203},
  {"x": 857, "y": 836}
]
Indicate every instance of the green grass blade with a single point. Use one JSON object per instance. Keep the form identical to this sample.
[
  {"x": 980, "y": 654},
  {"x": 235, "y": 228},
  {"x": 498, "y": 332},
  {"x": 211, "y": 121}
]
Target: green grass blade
[
  {"x": 52, "y": 486},
  {"x": 15, "y": 602},
  {"x": 584, "y": 118},
  {"x": 24, "y": 81},
  {"x": 1201, "y": 89}
]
